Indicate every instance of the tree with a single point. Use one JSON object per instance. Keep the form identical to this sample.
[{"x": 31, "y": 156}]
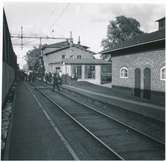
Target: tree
[
  {"x": 35, "y": 61},
  {"x": 119, "y": 30},
  {"x": 32, "y": 56}
]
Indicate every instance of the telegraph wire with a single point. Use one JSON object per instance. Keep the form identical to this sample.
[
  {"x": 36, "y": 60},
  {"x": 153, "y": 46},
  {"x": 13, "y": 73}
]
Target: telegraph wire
[{"x": 59, "y": 16}]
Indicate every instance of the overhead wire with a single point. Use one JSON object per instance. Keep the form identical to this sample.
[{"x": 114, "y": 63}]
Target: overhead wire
[
  {"x": 55, "y": 21},
  {"x": 59, "y": 16}
]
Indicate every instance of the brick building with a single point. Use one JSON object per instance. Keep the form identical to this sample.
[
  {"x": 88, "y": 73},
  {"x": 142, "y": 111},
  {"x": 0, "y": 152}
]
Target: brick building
[
  {"x": 76, "y": 61},
  {"x": 138, "y": 66}
]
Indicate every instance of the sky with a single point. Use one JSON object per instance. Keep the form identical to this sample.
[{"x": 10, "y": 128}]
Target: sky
[{"x": 87, "y": 20}]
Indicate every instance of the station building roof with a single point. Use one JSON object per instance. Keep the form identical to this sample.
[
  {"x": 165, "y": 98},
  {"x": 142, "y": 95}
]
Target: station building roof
[
  {"x": 138, "y": 41},
  {"x": 52, "y": 48},
  {"x": 163, "y": 18},
  {"x": 82, "y": 62}
]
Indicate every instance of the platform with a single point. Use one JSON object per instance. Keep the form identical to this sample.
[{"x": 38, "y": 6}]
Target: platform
[
  {"x": 108, "y": 96},
  {"x": 31, "y": 136}
]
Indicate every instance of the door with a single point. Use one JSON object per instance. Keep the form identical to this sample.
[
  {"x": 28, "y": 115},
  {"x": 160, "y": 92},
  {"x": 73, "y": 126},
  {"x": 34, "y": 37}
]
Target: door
[
  {"x": 147, "y": 83},
  {"x": 137, "y": 90}
]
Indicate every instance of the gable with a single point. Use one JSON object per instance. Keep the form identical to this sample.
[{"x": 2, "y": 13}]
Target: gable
[
  {"x": 72, "y": 51},
  {"x": 68, "y": 52}
]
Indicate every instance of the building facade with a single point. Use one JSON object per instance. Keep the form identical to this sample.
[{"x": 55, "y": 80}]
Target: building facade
[
  {"x": 76, "y": 61},
  {"x": 138, "y": 66}
]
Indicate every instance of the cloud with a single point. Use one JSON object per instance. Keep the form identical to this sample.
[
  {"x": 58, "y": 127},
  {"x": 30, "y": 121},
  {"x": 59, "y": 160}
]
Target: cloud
[
  {"x": 89, "y": 20},
  {"x": 146, "y": 14}
]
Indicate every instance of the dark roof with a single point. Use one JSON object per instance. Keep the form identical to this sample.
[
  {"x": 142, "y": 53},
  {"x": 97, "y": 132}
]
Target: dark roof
[
  {"x": 160, "y": 19},
  {"x": 139, "y": 40},
  {"x": 83, "y": 61},
  {"x": 48, "y": 51},
  {"x": 52, "y": 48},
  {"x": 57, "y": 45}
]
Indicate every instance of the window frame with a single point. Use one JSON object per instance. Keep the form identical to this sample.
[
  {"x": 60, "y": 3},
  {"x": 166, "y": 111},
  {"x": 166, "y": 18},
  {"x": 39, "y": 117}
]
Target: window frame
[
  {"x": 71, "y": 56},
  {"x": 78, "y": 56},
  {"x": 120, "y": 72},
  {"x": 63, "y": 56},
  {"x": 91, "y": 73},
  {"x": 77, "y": 71},
  {"x": 161, "y": 70}
]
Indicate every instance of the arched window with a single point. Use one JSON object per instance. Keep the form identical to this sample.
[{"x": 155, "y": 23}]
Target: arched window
[
  {"x": 124, "y": 72},
  {"x": 162, "y": 73}
]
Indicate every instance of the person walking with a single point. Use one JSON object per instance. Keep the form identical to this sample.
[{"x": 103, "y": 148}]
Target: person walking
[{"x": 56, "y": 81}]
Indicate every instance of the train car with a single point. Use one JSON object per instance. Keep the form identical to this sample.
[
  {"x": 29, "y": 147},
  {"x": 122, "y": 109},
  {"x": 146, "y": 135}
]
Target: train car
[{"x": 10, "y": 67}]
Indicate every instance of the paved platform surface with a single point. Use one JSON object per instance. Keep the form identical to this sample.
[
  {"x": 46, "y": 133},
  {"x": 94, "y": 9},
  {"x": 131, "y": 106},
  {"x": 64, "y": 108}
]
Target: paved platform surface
[
  {"x": 103, "y": 94},
  {"x": 111, "y": 92},
  {"x": 32, "y": 137}
]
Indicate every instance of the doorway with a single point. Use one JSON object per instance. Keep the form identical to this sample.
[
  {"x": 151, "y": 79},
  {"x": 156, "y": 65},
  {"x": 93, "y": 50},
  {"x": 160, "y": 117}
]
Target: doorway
[
  {"x": 137, "y": 90},
  {"x": 147, "y": 83}
]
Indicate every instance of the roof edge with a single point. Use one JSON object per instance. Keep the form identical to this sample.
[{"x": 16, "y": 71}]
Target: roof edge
[
  {"x": 139, "y": 44},
  {"x": 160, "y": 19},
  {"x": 57, "y": 50}
]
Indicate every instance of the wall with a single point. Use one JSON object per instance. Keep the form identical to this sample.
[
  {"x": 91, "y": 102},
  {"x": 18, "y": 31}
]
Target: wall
[
  {"x": 151, "y": 59},
  {"x": 9, "y": 65},
  {"x": 8, "y": 78},
  {"x": 57, "y": 56}
]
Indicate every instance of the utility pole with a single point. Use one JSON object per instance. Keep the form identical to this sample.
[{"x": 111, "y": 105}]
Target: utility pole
[
  {"x": 40, "y": 45},
  {"x": 21, "y": 37},
  {"x": 41, "y": 59}
]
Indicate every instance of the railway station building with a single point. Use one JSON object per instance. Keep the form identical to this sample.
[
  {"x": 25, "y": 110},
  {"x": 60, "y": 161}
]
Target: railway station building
[
  {"x": 138, "y": 66},
  {"x": 77, "y": 61}
]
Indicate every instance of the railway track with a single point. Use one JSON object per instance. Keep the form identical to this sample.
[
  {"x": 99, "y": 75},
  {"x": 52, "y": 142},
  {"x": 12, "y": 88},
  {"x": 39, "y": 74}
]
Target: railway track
[
  {"x": 83, "y": 143},
  {"x": 151, "y": 128},
  {"x": 124, "y": 141}
]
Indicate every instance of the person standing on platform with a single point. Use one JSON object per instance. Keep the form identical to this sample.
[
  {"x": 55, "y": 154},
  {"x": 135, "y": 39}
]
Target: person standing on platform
[
  {"x": 60, "y": 77},
  {"x": 56, "y": 81}
]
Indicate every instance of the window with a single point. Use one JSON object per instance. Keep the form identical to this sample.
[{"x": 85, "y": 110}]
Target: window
[
  {"x": 162, "y": 73},
  {"x": 63, "y": 56},
  {"x": 79, "y": 57},
  {"x": 77, "y": 71},
  {"x": 124, "y": 72},
  {"x": 106, "y": 74},
  {"x": 72, "y": 56},
  {"x": 57, "y": 69},
  {"x": 90, "y": 71}
]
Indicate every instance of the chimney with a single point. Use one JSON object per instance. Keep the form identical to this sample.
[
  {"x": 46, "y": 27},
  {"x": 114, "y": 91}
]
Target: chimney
[
  {"x": 71, "y": 39},
  {"x": 79, "y": 40},
  {"x": 161, "y": 23}
]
